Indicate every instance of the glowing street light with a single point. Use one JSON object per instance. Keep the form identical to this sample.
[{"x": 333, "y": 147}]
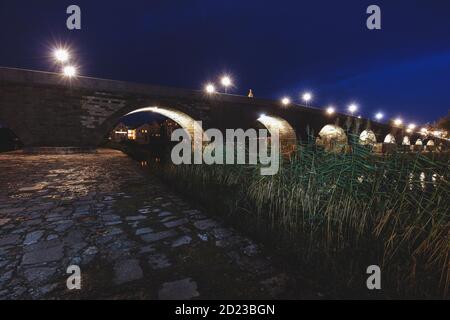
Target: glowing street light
[
  {"x": 379, "y": 116},
  {"x": 285, "y": 101},
  {"x": 398, "y": 122},
  {"x": 411, "y": 126},
  {"x": 331, "y": 110},
  {"x": 226, "y": 82},
  {"x": 352, "y": 108},
  {"x": 209, "y": 88},
  {"x": 61, "y": 55},
  {"x": 69, "y": 71},
  {"x": 424, "y": 131},
  {"x": 307, "y": 96}
]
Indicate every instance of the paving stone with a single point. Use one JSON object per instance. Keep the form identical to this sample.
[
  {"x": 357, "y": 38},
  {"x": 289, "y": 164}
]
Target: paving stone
[
  {"x": 127, "y": 271},
  {"x": 53, "y": 253},
  {"x": 176, "y": 223},
  {"x": 63, "y": 226},
  {"x": 33, "y": 237},
  {"x": 165, "y": 214},
  {"x": 113, "y": 231},
  {"x": 147, "y": 249},
  {"x": 184, "y": 289},
  {"x": 181, "y": 241},
  {"x": 152, "y": 237},
  {"x": 158, "y": 261},
  {"x": 142, "y": 231},
  {"x": 203, "y": 236},
  {"x": 52, "y": 237},
  {"x": 110, "y": 217},
  {"x": 39, "y": 275},
  {"x": 135, "y": 218},
  {"x": 205, "y": 224},
  {"x": 6, "y": 276},
  {"x": 9, "y": 240}
]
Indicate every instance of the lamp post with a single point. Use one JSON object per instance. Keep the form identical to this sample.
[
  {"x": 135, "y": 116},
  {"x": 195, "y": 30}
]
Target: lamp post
[
  {"x": 331, "y": 110},
  {"x": 398, "y": 122},
  {"x": 379, "y": 116},
  {"x": 285, "y": 101},
  {"x": 210, "y": 89},
  {"x": 61, "y": 55},
  {"x": 226, "y": 82},
  {"x": 69, "y": 71},
  {"x": 352, "y": 108},
  {"x": 307, "y": 96}
]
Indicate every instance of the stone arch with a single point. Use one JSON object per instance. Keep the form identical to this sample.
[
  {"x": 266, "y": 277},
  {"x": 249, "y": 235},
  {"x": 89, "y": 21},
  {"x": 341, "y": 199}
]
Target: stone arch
[
  {"x": 287, "y": 136},
  {"x": 430, "y": 143},
  {"x": 406, "y": 141},
  {"x": 184, "y": 120},
  {"x": 367, "y": 137},
  {"x": 390, "y": 138},
  {"x": 419, "y": 142},
  {"x": 10, "y": 139},
  {"x": 332, "y": 138}
]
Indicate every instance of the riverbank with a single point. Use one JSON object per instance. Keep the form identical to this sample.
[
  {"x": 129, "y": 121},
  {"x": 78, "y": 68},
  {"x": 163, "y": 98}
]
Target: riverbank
[{"x": 131, "y": 236}]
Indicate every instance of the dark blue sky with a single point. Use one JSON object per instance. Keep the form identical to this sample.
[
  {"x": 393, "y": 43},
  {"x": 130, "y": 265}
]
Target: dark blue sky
[{"x": 274, "y": 47}]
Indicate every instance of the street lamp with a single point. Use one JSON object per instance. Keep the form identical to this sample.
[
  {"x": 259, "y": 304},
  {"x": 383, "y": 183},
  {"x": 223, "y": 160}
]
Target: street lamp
[
  {"x": 226, "y": 82},
  {"x": 398, "y": 122},
  {"x": 331, "y": 110},
  {"x": 411, "y": 126},
  {"x": 379, "y": 116},
  {"x": 352, "y": 108},
  {"x": 69, "y": 71},
  {"x": 210, "y": 89},
  {"x": 307, "y": 96},
  {"x": 285, "y": 101},
  {"x": 61, "y": 55}
]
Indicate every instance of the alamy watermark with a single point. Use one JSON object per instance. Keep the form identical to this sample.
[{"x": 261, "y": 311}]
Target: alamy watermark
[{"x": 238, "y": 147}]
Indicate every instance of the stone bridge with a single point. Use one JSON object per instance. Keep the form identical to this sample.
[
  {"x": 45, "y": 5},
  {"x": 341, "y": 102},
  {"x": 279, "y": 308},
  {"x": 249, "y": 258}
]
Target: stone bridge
[{"x": 46, "y": 110}]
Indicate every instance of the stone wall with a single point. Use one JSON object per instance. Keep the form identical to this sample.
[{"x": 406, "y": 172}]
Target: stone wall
[{"x": 45, "y": 110}]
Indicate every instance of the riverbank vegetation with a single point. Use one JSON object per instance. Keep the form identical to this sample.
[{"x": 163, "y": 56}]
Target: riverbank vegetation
[{"x": 334, "y": 214}]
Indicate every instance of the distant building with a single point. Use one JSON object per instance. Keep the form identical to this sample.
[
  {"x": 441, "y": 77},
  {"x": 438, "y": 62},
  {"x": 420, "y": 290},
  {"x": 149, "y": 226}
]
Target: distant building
[
  {"x": 143, "y": 134},
  {"x": 119, "y": 133},
  {"x": 146, "y": 132}
]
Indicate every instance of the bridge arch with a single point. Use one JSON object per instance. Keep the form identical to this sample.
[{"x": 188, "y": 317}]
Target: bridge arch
[
  {"x": 184, "y": 116},
  {"x": 287, "y": 136},
  {"x": 185, "y": 121},
  {"x": 367, "y": 137},
  {"x": 332, "y": 138},
  {"x": 390, "y": 138},
  {"x": 406, "y": 141}
]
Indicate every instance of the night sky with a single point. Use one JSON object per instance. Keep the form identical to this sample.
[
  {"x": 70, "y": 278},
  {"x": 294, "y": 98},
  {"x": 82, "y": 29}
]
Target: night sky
[{"x": 276, "y": 48}]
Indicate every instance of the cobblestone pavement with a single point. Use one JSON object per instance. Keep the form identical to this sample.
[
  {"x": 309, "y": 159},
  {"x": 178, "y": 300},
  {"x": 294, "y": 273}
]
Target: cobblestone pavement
[{"x": 130, "y": 235}]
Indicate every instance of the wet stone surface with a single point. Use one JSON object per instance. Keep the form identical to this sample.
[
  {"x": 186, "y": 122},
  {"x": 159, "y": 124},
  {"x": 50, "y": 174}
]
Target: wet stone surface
[{"x": 130, "y": 235}]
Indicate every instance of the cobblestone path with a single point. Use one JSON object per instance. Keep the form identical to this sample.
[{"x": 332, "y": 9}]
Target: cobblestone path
[{"x": 131, "y": 237}]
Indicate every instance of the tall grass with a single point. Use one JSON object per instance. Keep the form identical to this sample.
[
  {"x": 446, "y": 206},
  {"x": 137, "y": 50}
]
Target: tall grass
[{"x": 338, "y": 213}]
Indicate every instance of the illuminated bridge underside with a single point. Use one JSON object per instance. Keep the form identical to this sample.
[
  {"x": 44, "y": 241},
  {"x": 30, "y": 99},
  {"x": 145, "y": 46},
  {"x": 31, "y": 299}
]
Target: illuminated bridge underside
[{"x": 286, "y": 132}]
